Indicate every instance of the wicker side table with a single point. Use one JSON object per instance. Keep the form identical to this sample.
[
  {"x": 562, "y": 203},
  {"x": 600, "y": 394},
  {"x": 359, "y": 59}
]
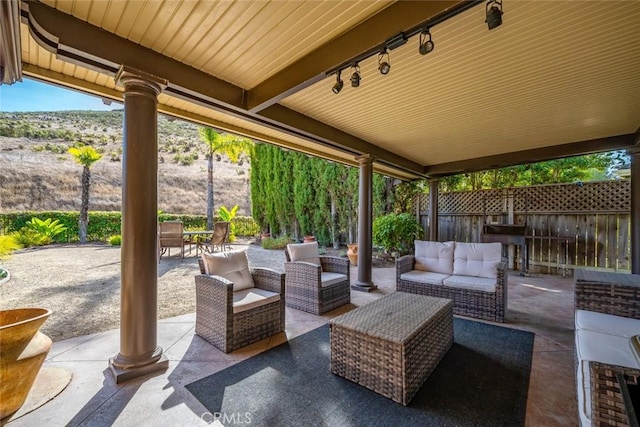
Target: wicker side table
[{"x": 392, "y": 345}]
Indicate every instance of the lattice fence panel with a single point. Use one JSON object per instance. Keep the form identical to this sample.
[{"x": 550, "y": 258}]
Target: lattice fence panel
[
  {"x": 471, "y": 202},
  {"x": 604, "y": 196}
]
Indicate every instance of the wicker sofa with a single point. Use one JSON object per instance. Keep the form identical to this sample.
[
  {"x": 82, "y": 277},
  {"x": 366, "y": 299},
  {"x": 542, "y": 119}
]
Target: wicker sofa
[
  {"x": 236, "y": 306},
  {"x": 471, "y": 274},
  {"x": 607, "y": 318}
]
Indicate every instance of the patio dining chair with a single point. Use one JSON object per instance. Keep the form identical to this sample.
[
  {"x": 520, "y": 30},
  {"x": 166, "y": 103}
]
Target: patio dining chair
[
  {"x": 219, "y": 238},
  {"x": 170, "y": 235}
]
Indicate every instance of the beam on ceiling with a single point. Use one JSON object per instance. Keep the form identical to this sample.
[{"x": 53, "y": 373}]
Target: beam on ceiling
[
  {"x": 619, "y": 142},
  {"x": 78, "y": 42},
  {"x": 310, "y": 126},
  {"x": 73, "y": 83},
  {"x": 399, "y": 17}
]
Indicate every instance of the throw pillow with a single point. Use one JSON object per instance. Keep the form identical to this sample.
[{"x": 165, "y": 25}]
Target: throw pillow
[
  {"x": 436, "y": 257},
  {"x": 232, "y": 265},
  {"x": 304, "y": 252}
]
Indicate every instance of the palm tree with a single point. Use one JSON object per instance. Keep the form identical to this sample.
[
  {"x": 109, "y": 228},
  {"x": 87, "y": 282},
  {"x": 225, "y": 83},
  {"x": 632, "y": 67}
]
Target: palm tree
[
  {"x": 85, "y": 156},
  {"x": 231, "y": 145}
]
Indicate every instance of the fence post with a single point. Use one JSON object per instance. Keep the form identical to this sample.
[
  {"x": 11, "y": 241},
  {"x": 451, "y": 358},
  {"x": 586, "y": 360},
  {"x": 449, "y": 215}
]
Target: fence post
[{"x": 511, "y": 250}]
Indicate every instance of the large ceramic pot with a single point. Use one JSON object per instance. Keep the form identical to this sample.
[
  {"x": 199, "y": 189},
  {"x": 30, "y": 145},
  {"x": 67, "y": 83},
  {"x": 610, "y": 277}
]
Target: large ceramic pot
[
  {"x": 22, "y": 351},
  {"x": 352, "y": 253}
]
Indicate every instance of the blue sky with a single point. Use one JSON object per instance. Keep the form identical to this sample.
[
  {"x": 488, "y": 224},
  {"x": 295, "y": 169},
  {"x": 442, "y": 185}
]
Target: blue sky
[{"x": 32, "y": 95}]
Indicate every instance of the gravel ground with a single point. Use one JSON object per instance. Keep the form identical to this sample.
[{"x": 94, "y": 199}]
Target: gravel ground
[{"x": 81, "y": 284}]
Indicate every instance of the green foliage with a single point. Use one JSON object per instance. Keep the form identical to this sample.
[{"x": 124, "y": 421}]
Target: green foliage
[
  {"x": 276, "y": 242},
  {"x": 396, "y": 233},
  {"x": 295, "y": 194},
  {"x": 27, "y": 237},
  {"x": 105, "y": 224},
  {"x": 115, "y": 240},
  {"x": 49, "y": 227},
  {"x": 85, "y": 155},
  {"x": 571, "y": 169},
  {"x": 8, "y": 244},
  {"x": 227, "y": 216}
]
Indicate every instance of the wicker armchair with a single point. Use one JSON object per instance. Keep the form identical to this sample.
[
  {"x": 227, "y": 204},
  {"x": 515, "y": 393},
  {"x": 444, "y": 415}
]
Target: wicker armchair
[
  {"x": 228, "y": 327},
  {"x": 616, "y": 294},
  {"x": 318, "y": 286}
]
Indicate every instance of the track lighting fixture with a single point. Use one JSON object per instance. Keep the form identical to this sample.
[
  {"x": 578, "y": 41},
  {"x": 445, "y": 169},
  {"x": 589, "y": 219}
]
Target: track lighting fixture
[
  {"x": 339, "y": 83},
  {"x": 426, "y": 44},
  {"x": 355, "y": 77},
  {"x": 494, "y": 13},
  {"x": 384, "y": 66}
]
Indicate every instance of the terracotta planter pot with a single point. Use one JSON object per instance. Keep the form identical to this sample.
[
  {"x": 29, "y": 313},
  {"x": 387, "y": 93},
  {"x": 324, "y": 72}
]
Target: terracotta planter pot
[
  {"x": 352, "y": 253},
  {"x": 309, "y": 239},
  {"x": 22, "y": 351}
]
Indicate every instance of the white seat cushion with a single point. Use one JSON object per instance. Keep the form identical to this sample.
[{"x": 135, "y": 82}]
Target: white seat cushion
[
  {"x": 607, "y": 323},
  {"x": 424, "y": 277},
  {"x": 232, "y": 265},
  {"x": 471, "y": 282},
  {"x": 304, "y": 252},
  {"x": 477, "y": 259},
  {"x": 434, "y": 256},
  {"x": 604, "y": 348},
  {"x": 247, "y": 299},
  {"x": 328, "y": 278}
]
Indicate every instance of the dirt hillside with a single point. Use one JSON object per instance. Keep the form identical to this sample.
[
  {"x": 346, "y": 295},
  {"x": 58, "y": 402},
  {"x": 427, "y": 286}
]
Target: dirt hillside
[{"x": 37, "y": 173}]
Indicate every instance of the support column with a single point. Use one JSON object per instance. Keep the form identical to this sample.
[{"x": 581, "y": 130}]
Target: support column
[
  {"x": 139, "y": 353},
  {"x": 365, "y": 214},
  {"x": 433, "y": 210},
  {"x": 635, "y": 209}
]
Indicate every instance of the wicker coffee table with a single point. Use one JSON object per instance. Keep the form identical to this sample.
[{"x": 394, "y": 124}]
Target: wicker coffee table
[{"x": 392, "y": 345}]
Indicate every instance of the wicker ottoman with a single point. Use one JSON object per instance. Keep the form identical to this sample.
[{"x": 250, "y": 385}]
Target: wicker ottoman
[{"x": 392, "y": 345}]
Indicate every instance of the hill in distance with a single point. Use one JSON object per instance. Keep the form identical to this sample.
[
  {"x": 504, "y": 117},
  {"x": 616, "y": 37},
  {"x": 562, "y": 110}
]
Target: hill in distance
[{"x": 37, "y": 173}]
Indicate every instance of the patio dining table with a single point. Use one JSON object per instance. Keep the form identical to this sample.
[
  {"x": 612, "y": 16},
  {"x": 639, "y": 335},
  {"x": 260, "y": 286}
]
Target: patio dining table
[{"x": 192, "y": 237}]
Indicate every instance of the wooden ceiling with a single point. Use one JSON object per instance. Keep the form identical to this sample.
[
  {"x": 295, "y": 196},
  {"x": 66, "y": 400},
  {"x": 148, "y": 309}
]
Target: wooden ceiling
[{"x": 557, "y": 78}]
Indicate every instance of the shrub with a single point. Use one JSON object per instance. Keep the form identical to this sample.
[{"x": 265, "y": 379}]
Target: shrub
[
  {"x": 396, "y": 233},
  {"x": 8, "y": 244},
  {"x": 115, "y": 240},
  {"x": 49, "y": 227},
  {"x": 276, "y": 242},
  {"x": 227, "y": 216},
  {"x": 27, "y": 237}
]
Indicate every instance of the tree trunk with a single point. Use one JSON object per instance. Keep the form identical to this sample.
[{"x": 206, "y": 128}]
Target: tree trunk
[
  {"x": 350, "y": 220},
  {"x": 84, "y": 205},
  {"x": 334, "y": 223},
  {"x": 210, "y": 192}
]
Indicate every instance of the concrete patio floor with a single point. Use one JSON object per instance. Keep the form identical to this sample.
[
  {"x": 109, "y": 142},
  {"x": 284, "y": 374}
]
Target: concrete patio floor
[{"x": 542, "y": 304}]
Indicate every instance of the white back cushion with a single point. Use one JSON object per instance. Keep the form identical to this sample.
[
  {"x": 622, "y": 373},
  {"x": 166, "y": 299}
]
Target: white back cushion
[
  {"x": 434, "y": 256},
  {"x": 477, "y": 259},
  {"x": 304, "y": 252},
  {"x": 232, "y": 265}
]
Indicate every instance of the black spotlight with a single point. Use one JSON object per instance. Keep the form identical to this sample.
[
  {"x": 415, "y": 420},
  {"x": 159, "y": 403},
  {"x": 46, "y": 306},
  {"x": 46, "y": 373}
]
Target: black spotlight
[
  {"x": 384, "y": 66},
  {"x": 355, "y": 77},
  {"x": 426, "y": 44},
  {"x": 494, "y": 14},
  {"x": 339, "y": 83}
]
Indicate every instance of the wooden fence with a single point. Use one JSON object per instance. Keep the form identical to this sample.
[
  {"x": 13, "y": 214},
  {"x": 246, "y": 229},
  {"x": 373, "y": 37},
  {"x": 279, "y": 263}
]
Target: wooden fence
[{"x": 570, "y": 225}]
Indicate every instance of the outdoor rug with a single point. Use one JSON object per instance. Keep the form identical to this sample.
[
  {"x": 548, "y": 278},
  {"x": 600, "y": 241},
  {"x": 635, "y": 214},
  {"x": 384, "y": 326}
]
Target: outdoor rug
[{"x": 481, "y": 381}]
